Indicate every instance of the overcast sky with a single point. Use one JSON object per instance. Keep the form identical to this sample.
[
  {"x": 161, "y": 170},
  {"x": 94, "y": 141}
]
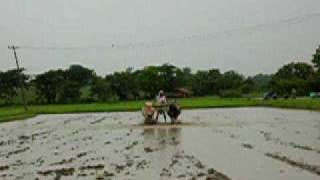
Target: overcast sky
[{"x": 136, "y": 33}]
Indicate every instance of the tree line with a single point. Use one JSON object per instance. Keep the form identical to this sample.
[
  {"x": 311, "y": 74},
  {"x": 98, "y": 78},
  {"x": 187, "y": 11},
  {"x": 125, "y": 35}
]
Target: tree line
[{"x": 80, "y": 84}]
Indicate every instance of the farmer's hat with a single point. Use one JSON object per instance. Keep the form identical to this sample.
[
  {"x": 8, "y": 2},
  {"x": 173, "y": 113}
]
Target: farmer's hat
[{"x": 148, "y": 104}]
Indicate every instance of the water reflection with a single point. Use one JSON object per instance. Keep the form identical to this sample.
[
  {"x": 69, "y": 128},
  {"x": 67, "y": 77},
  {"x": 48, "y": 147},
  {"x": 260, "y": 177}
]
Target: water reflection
[
  {"x": 166, "y": 141},
  {"x": 155, "y": 136}
]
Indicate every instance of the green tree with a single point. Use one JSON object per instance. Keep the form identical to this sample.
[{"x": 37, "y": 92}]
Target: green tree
[
  {"x": 293, "y": 75},
  {"x": 206, "y": 82},
  {"x": 168, "y": 77},
  {"x": 184, "y": 77},
  {"x": 199, "y": 85},
  {"x": 148, "y": 81},
  {"x": 316, "y": 59},
  {"x": 101, "y": 90},
  {"x": 70, "y": 92},
  {"x": 230, "y": 80},
  {"x": 261, "y": 81},
  {"x": 247, "y": 86},
  {"x": 79, "y": 74},
  {"x": 49, "y": 85},
  {"x": 9, "y": 84},
  {"x": 298, "y": 70},
  {"x": 124, "y": 84}
]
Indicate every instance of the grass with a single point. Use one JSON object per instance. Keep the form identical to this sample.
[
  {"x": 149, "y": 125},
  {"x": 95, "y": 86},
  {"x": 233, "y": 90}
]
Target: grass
[
  {"x": 18, "y": 113},
  {"x": 301, "y": 103}
]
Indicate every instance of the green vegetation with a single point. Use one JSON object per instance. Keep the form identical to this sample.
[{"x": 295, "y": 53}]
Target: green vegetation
[
  {"x": 79, "y": 89},
  {"x": 78, "y": 84},
  {"x": 303, "y": 103},
  {"x": 14, "y": 113}
]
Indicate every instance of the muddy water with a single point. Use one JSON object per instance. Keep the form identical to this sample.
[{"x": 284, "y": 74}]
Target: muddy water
[{"x": 237, "y": 143}]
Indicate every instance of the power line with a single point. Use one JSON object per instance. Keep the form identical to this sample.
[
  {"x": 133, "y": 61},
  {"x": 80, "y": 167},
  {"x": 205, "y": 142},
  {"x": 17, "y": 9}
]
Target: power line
[
  {"x": 65, "y": 47},
  {"x": 195, "y": 37}
]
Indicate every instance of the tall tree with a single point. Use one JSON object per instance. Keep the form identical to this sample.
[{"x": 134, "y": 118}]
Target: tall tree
[
  {"x": 49, "y": 85},
  {"x": 316, "y": 59},
  {"x": 261, "y": 81},
  {"x": 123, "y": 84},
  {"x": 9, "y": 84},
  {"x": 184, "y": 77},
  {"x": 79, "y": 74},
  {"x": 230, "y": 80},
  {"x": 70, "y": 92},
  {"x": 206, "y": 82},
  {"x": 297, "y": 70},
  {"x": 293, "y": 75},
  {"x": 101, "y": 90},
  {"x": 168, "y": 77},
  {"x": 148, "y": 81}
]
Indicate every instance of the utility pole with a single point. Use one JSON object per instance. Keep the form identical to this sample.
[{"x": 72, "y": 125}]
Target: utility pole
[{"x": 20, "y": 76}]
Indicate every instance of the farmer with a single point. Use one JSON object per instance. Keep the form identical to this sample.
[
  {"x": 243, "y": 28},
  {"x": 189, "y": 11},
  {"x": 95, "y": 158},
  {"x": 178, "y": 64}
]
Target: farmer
[
  {"x": 162, "y": 100},
  {"x": 148, "y": 112}
]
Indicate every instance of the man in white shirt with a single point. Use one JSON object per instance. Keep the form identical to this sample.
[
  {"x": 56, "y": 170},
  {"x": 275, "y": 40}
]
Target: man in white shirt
[{"x": 162, "y": 100}]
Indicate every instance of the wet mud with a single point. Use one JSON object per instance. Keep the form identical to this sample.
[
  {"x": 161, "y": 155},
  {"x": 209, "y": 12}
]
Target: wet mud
[
  {"x": 217, "y": 144},
  {"x": 302, "y": 165}
]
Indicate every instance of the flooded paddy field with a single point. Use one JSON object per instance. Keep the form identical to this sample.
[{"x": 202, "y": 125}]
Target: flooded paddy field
[{"x": 219, "y": 144}]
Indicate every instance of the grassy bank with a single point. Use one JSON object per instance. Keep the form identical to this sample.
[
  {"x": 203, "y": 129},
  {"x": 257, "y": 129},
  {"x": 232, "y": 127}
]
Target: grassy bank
[{"x": 15, "y": 113}]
